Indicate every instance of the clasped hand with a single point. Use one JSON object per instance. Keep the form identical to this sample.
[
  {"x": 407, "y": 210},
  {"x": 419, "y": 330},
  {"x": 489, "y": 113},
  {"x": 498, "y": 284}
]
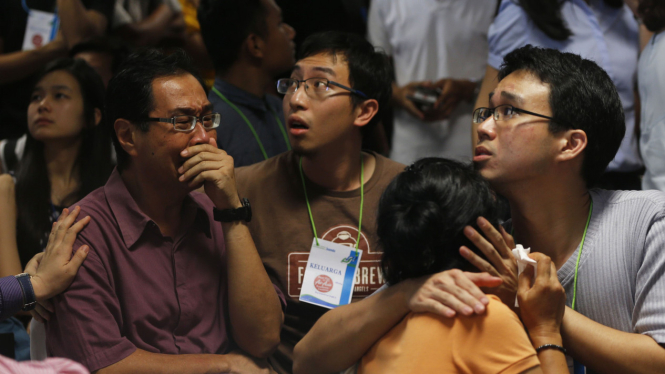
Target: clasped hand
[{"x": 212, "y": 168}]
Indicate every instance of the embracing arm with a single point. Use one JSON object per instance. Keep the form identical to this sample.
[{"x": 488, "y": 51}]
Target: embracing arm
[
  {"x": 607, "y": 350},
  {"x": 327, "y": 348}
]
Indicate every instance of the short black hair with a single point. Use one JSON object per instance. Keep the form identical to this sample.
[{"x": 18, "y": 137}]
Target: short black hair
[
  {"x": 129, "y": 93},
  {"x": 114, "y": 47},
  {"x": 370, "y": 70},
  {"x": 653, "y": 14},
  {"x": 582, "y": 96},
  {"x": 422, "y": 215},
  {"x": 225, "y": 24}
]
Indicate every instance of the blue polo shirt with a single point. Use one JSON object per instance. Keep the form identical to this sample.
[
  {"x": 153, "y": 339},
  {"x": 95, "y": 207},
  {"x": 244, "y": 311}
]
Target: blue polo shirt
[
  {"x": 606, "y": 35},
  {"x": 235, "y": 136}
]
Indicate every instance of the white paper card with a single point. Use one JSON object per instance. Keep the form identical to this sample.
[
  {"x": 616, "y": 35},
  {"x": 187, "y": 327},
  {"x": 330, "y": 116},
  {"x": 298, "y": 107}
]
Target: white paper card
[
  {"x": 330, "y": 274},
  {"x": 522, "y": 256},
  {"x": 39, "y": 29}
]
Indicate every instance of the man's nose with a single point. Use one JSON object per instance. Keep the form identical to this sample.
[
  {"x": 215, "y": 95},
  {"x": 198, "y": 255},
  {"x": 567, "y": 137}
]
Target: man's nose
[
  {"x": 200, "y": 135},
  {"x": 292, "y": 31},
  {"x": 486, "y": 130},
  {"x": 298, "y": 99}
]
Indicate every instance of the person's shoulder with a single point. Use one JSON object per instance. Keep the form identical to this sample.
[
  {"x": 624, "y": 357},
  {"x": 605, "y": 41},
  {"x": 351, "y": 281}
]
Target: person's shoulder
[
  {"x": 389, "y": 168},
  {"x": 94, "y": 203},
  {"x": 636, "y": 201},
  {"x": 264, "y": 171}
]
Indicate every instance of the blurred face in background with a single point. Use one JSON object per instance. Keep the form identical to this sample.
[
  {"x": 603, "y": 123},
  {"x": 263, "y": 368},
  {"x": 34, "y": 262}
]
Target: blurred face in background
[{"x": 56, "y": 111}]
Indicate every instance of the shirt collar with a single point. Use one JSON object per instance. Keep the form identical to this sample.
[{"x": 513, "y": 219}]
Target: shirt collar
[
  {"x": 239, "y": 96},
  {"x": 132, "y": 221}
]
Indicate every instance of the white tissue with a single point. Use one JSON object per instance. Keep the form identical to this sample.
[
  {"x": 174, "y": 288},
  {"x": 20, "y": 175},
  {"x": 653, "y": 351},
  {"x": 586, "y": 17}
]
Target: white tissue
[{"x": 522, "y": 256}]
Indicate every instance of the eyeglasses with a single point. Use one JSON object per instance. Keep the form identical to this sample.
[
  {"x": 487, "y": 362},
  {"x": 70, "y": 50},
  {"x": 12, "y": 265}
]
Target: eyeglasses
[
  {"x": 501, "y": 113},
  {"x": 187, "y": 123},
  {"x": 317, "y": 88}
]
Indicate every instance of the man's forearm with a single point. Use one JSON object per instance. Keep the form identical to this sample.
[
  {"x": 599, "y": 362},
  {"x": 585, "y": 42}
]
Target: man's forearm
[
  {"x": 77, "y": 23},
  {"x": 145, "y": 362},
  {"x": 254, "y": 307},
  {"x": 18, "y": 65},
  {"x": 607, "y": 350},
  {"x": 343, "y": 335}
]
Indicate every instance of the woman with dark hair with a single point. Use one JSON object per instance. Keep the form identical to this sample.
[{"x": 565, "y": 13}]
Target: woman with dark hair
[
  {"x": 651, "y": 83},
  {"x": 66, "y": 156},
  {"x": 604, "y": 31},
  {"x": 420, "y": 224}
]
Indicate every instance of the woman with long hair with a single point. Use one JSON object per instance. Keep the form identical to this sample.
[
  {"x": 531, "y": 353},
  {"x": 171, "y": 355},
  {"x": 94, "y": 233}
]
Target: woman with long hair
[
  {"x": 66, "y": 156},
  {"x": 604, "y": 31}
]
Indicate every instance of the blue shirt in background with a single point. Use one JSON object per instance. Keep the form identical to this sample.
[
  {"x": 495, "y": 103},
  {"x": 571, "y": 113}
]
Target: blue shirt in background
[{"x": 234, "y": 135}]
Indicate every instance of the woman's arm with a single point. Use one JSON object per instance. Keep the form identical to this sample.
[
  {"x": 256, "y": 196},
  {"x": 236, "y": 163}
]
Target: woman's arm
[{"x": 10, "y": 263}]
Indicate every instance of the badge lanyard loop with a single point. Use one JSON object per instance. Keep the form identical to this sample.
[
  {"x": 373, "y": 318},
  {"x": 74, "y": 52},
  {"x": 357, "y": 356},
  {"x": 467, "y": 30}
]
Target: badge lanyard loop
[
  {"x": 362, "y": 200},
  {"x": 249, "y": 124}
]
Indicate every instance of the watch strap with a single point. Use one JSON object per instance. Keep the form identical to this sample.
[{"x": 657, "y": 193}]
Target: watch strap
[
  {"x": 231, "y": 215},
  {"x": 29, "y": 298}
]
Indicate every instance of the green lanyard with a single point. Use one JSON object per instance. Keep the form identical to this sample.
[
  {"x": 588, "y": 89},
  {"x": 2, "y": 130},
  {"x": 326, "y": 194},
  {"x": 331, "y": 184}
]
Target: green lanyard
[
  {"x": 249, "y": 124},
  {"x": 362, "y": 199},
  {"x": 579, "y": 255}
]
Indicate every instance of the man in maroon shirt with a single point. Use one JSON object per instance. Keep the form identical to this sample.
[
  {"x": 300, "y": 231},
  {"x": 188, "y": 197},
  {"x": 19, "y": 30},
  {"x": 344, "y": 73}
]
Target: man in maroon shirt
[{"x": 165, "y": 287}]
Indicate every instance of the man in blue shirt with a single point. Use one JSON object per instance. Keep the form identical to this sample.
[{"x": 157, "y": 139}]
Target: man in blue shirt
[{"x": 250, "y": 46}]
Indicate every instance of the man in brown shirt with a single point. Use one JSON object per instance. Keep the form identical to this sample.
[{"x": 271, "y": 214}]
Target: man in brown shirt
[
  {"x": 335, "y": 92},
  {"x": 165, "y": 288}
]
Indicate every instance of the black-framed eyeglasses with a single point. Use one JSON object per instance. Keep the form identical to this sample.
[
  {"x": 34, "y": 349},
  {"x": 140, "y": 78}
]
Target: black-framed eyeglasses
[
  {"x": 502, "y": 113},
  {"x": 187, "y": 123},
  {"x": 317, "y": 88}
]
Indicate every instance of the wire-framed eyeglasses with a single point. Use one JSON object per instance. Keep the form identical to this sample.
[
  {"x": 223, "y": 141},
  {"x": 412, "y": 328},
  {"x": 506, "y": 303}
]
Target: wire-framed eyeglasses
[
  {"x": 502, "y": 113},
  {"x": 317, "y": 88},
  {"x": 186, "y": 123}
]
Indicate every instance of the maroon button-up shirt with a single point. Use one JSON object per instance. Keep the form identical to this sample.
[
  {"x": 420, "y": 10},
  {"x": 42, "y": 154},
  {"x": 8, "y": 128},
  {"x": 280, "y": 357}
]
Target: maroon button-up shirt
[{"x": 139, "y": 289}]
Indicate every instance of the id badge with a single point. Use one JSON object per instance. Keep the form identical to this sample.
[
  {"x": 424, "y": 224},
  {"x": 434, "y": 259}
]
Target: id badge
[
  {"x": 329, "y": 275},
  {"x": 40, "y": 29}
]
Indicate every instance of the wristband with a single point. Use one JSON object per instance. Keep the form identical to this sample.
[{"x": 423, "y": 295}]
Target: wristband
[
  {"x": 551, "y": 346},
  {"x": 29, "y": 299}
]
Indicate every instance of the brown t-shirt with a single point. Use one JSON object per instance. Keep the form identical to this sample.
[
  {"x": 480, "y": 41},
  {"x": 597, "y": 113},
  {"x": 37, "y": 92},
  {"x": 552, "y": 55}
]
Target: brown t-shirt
[{"x": 283, "y": 234}]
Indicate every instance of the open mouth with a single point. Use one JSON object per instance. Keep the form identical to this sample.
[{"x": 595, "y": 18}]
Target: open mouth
[{"x": 482, "y": 151}]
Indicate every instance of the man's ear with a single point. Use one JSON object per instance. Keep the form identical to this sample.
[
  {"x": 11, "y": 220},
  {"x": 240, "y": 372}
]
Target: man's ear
[
  {"x": 572, "y": 143},
  {"x": 255, "y": 46},
  {"x": 365, "y": 111},
  {"x": 125, "y": 132},
  {"x": 98, "y": 116}
]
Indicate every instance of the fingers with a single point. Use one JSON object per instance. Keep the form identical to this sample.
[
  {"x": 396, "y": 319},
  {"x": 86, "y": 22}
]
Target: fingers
[
  {"x": 510, "y": 241},
  {"x": 78, "y": 259},
  {"x": 484, "y": 279},
  {"x": 199, "y": 165},
  {"x": 196, "y": 149},
  {"x": 33, "y": 264},
  {"x": 495, "y": 237},
  {"x": 477, "y": 261},
  {"x": 413, "y": 109},
  {"x": 524, "y": 280},
  {"x": 486, "y": 248}
]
